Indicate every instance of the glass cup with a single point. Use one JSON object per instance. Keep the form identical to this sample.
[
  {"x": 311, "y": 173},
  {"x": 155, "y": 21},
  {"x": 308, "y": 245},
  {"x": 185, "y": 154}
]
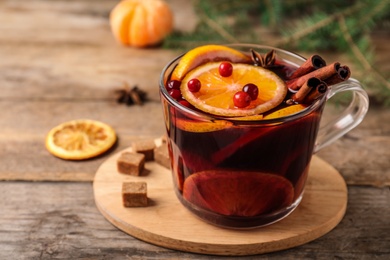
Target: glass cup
[{"x": 245, "y": 174}]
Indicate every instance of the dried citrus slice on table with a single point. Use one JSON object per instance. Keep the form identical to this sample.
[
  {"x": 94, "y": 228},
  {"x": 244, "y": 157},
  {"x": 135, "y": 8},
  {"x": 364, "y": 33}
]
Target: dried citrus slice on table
[
  {"x": 204, "y": 54},
  {"x": 80, "y": 139},
  {"x": 216, "y": 93}
]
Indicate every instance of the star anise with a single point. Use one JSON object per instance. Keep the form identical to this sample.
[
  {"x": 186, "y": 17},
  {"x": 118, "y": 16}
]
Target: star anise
[
  {"x": 265, "y": 61},
  {"x": 130, "y": 96}
]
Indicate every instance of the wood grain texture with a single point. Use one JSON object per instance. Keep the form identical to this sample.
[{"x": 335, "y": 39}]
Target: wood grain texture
[
  {"x": 46, "y": 220},
  {"x": 362, "y": 155},
  {"x": 167, "y": 223}
]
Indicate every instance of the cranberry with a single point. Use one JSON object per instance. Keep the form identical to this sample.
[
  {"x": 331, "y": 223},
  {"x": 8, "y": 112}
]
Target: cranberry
[
  {"x": 173, "y": 84},
  {"x": 194, "y": 85},
  {"x": 241, "y": 99},
  {"x": 185, "y": 103},
  {"x": 252, "y": 90},
  {"x": 225, "y": 69},
  {"x": 175, "y": 93}
]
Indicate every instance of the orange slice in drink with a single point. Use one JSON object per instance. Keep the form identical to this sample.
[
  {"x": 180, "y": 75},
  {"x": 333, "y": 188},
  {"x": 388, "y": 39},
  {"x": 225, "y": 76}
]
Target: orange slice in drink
[
  {"x": 216, "y": 93},
  {"x": 286, "y": 111},
  {"x": 204, "y": 54},
  {"x": 202, "y": 127},
  {"x": 249, "y": 118},
  {"x": 80, "y": 139},
  {"x": 238, "y": 193}
]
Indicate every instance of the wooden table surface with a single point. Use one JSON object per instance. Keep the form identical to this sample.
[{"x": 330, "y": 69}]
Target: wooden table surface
[{"x": 58, "y": 62}]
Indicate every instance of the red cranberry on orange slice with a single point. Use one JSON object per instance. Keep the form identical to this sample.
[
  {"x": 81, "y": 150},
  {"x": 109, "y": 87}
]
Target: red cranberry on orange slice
[
  {"x": 240, "y": 193},
  {"x": 225, "y": 69},
  {"x": 241, "y": 99},
  {"x": 252, "y": 90},
  {"x": 194, "y": 85}
]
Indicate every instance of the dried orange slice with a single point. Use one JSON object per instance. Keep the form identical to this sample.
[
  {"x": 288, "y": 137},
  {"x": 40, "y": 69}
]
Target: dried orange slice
[
  {"x": 216, "y": 93},
  {"x": 286, "y": 111},
  {"x": 204, "y": 54},
  {"x": 80, "y": 139}
]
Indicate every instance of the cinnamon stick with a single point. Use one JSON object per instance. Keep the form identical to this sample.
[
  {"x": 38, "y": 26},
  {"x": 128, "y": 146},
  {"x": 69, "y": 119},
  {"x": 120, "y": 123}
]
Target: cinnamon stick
[
  {"x": 313, "y": 63},
  {"x": 342, "y": 74},
  {"x": 309, "y": 85},
  {"x": 321, "y": 73},
  {"x": 318, "y": 92}
]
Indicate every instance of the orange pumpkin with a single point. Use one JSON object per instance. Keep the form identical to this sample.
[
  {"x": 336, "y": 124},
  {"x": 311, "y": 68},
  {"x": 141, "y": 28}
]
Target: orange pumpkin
[{"x": 141, "y": 23}]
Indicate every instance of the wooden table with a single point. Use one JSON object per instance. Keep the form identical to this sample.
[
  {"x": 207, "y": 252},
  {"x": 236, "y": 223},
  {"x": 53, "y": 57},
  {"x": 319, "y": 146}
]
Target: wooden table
[{"x": 58, "y": 62}]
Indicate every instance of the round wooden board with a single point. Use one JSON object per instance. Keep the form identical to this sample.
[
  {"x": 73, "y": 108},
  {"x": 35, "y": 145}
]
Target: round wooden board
[{"x": 165, "y": 222}]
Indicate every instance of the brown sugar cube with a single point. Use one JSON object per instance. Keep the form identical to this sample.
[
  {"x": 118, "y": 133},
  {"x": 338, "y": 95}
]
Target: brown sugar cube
[
  {"x": 134, "y": 194},
  {"x": 161, "y": 156},
  {"x": 145, "y": 147},
  {"x": 131, "y": 163}
]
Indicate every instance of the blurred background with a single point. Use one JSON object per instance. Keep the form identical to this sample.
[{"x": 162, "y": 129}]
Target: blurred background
[{"x": 353, "y": 32}]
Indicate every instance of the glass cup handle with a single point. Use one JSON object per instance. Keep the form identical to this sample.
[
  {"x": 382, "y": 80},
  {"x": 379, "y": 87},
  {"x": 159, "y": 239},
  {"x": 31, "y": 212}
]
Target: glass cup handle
[{"x": 348, "y": 119}]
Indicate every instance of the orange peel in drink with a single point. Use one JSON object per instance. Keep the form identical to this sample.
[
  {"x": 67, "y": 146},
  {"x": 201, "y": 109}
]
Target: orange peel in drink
[
  {"x": 286, "y": 111},
  {"x": 202, "y": 126},
  {"x": 203, "y": 54}
]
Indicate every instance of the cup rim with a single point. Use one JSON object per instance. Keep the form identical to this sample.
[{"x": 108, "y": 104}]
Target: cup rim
[{"x": 211, "y": 117}]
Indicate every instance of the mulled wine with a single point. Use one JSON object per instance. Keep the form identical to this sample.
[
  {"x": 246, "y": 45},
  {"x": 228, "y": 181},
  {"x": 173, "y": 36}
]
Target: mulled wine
[{"x": 240, "y": 144}]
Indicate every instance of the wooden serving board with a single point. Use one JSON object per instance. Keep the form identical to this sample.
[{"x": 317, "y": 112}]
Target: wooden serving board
[{"x": 165, "y": 222}]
